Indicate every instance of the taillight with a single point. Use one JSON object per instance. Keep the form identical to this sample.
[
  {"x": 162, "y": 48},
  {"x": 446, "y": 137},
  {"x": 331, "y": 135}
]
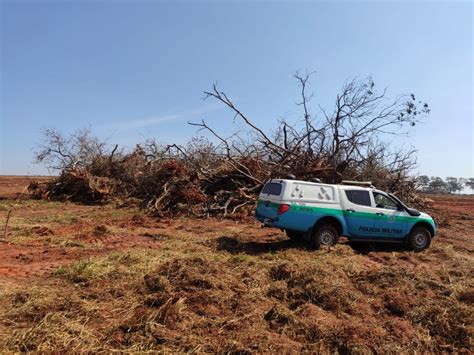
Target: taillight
[{"x": 283, "y": 208}]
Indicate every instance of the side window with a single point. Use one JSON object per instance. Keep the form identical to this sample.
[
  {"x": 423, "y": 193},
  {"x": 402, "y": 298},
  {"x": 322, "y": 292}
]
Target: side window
[
  {"x": 382, "y": 201},
  {"x": 359, "y": 197}
]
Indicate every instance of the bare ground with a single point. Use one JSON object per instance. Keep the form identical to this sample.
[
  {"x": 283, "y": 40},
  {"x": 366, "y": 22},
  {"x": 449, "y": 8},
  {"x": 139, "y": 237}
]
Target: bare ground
[{"x": 90, "y": 278}]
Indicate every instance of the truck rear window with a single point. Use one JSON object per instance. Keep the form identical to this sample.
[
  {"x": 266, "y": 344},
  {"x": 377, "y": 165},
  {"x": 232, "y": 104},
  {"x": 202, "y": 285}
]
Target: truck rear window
[
  {"x": 272, "y": 188},
  {"x": 359, "y": 197}
]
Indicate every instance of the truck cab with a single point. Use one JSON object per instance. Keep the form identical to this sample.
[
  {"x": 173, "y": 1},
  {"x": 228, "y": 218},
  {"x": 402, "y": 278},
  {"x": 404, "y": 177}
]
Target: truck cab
[{"x": 321, "y": 213}]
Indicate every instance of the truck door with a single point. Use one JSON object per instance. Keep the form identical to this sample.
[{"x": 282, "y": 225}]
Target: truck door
[
  {"x": 359, "y": 213},
  {"x": 389, "y": 220}
]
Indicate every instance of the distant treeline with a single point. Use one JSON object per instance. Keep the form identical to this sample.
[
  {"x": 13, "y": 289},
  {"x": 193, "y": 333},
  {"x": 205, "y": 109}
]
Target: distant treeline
[{"x": 452, "y": 185}]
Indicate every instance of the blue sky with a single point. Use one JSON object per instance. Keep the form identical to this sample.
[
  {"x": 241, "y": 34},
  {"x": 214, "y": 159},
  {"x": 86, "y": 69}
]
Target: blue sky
[{"x": 138, "y": 69}]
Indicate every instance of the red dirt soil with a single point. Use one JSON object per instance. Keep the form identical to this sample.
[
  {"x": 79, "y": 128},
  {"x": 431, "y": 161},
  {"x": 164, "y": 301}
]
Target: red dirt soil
[
  {"x": 42, "y": 253},
  {"x": 36, "y": 259}
]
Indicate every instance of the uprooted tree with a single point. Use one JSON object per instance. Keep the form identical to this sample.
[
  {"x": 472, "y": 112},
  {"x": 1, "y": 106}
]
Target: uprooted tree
[{"x": 223, "y": 176}]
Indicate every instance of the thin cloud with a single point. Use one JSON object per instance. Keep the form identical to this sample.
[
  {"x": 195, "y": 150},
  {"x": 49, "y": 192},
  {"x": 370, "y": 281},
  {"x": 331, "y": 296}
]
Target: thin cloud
[
  {"x": 155, "y": 120},
  {"x": 145, "y": 122}
]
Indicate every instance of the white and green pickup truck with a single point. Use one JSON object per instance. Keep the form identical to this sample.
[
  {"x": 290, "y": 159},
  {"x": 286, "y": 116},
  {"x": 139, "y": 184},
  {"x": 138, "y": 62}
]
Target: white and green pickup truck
[{"x": 321, "y": 213}]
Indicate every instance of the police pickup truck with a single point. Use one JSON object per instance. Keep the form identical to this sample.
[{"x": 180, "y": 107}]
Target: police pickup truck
[{"x": 321, "y": 213}]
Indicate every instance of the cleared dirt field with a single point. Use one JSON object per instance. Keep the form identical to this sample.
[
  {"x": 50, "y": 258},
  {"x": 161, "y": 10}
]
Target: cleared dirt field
[{"x": 90, "y": 278}]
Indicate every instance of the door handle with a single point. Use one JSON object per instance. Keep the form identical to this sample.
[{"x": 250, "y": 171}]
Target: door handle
[
  {"x": 350, "y": 210},
  {"x": 380, "y": 213}
]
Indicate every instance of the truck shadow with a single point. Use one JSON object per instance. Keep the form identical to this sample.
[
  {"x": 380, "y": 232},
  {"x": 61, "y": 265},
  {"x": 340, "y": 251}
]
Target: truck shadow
[
  {"x": 365, "y": 248},
  {"x": 235, "y": 246}
]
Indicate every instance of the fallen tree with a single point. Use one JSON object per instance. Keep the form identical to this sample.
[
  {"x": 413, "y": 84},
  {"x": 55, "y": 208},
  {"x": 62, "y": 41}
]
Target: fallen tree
[{"x": 223, "y": 177}]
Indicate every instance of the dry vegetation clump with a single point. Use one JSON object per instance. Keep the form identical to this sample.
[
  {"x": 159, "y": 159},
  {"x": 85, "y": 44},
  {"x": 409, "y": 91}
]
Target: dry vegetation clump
[
  {"x": 411, "y": 308},
  {"x": 467, "y": 296},
  {"x": 42, "y": 230},
  {"x": 311, "y": 285},
  {"x": 54, "y": 315},
  {"x": 100, "y": 230},
  {"x": 425, "y": 302},
  {"x": 77, "y": 185}
]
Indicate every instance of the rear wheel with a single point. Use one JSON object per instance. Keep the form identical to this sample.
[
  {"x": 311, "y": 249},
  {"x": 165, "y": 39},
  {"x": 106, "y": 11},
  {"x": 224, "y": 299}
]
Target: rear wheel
[
  {"x": 325, "y": 235},
  {"x": 419, "y": 239},
  {"x": 294, "y": 236}
]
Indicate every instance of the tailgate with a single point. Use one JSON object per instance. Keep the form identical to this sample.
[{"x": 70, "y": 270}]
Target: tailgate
[
  {"x": 267, "y": 209},
  {"x": 269, "y": 201}
]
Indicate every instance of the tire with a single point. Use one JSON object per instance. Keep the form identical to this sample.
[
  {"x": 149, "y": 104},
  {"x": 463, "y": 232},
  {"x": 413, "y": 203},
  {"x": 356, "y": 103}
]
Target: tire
[
  {"x": 419, "y": 239},
  {"x": 325, "y": 235},
  {"x": 294, "y": 236}
]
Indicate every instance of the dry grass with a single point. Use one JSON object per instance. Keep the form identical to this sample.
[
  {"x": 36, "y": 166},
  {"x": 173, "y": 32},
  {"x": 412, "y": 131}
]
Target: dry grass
[{"x": 225, "y": 286}]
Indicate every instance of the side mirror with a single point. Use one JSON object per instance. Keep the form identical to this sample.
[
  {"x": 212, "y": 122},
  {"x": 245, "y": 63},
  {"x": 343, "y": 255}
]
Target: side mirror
[
  {"x": 414, "y": 212},
  {"x": 400, "y": 208},
  {"x": 379, "y": 205}
]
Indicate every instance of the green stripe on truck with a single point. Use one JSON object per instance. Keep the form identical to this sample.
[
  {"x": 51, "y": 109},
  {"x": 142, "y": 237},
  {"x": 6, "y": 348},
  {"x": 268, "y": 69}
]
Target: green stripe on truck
[{"x": 338, "y": 212}]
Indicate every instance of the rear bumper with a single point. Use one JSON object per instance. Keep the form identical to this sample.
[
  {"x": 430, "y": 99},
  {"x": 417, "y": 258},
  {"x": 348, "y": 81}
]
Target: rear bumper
[{"x": 266, "y": 220}]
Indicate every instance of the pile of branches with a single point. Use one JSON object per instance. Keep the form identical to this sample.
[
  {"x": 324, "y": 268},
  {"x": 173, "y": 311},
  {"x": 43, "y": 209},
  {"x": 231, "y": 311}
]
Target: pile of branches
[
  {"x": 224, "y": 176},
  {"x": 74, "y": 185}
]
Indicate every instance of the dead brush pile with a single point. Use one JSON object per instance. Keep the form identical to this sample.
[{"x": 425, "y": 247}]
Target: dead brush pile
[
  {"x": 223, "y": 178},
  {"x": 76, "y": 186}
]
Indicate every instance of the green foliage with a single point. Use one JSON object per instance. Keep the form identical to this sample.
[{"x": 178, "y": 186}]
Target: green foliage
[{"x": 451, "y": 185}]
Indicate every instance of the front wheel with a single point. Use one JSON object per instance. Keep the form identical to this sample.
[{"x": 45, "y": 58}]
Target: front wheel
[
  {"x": 325, "y": 235},
  {"x": 419, "y": 239}
]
